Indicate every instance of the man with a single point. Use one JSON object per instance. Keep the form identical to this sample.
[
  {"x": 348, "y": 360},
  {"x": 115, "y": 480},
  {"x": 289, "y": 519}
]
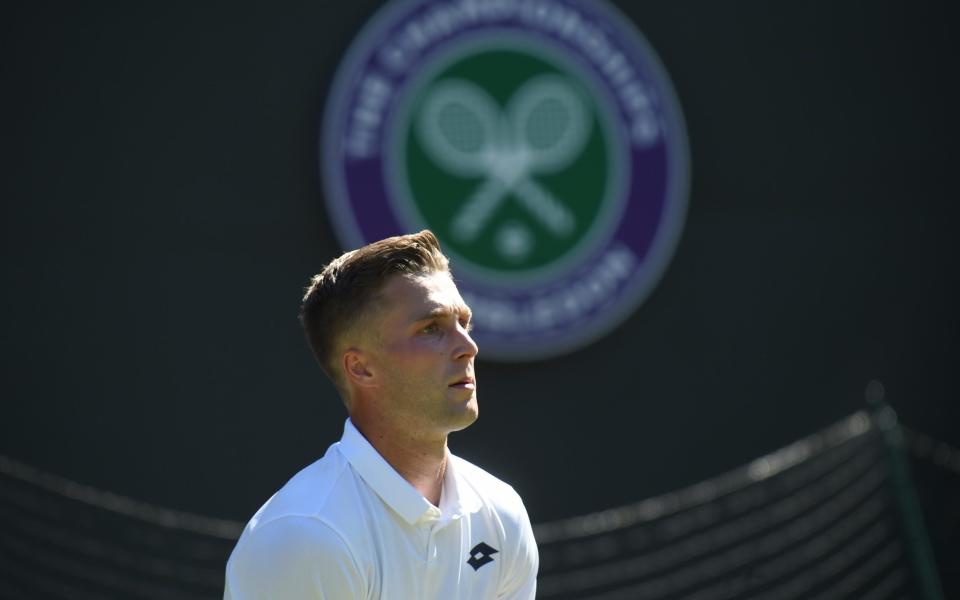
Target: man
[{"x": 388, "y": 513}]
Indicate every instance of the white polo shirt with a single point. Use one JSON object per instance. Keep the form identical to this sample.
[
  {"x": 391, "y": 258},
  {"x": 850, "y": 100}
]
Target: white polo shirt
[{"x": 349, "y": 526}]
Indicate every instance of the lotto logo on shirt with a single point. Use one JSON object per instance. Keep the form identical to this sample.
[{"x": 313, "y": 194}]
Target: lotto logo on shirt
[
  {"x": 540, "y": 140},
  {"x": 480, "y": 555}
]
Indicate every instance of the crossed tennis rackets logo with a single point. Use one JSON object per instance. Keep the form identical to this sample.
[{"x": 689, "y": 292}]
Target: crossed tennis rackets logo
[{"x": 542, "y": 130}]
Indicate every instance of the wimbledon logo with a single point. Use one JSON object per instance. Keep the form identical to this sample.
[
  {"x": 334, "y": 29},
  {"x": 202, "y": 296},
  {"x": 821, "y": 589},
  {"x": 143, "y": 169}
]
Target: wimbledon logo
[{"x": 540, "y": 140}]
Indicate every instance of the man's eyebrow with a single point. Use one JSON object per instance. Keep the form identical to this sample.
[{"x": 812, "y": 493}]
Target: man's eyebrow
[{"x": 443, "y": 311}]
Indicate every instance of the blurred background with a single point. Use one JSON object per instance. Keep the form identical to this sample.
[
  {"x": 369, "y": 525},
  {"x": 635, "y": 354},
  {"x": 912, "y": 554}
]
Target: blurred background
[{"x": 163, "y": 208}]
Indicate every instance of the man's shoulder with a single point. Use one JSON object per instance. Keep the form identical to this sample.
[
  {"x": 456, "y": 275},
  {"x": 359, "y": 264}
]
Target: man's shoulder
[
  {"x": 495, "y": 492},
  {"x": 298, "y": 544},
  {"x": 503, "y": 509},
  {"x": 320, "y": 491}
]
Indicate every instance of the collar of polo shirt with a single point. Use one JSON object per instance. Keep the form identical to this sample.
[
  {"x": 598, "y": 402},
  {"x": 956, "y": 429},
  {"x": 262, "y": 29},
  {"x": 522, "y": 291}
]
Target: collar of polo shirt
[{"x": 457, "y": 499}]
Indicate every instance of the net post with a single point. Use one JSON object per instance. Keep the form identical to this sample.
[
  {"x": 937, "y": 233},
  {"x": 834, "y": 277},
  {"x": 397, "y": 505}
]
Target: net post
[{"x": 908, "y": 506}]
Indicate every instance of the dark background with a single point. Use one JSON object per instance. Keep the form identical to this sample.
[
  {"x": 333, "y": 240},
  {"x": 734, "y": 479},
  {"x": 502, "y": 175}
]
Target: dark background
[{"x": 162, "y": 210}]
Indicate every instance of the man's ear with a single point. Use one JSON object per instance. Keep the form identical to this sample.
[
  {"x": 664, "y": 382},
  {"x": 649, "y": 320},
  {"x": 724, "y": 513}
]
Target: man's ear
[{"x": 357, "y": 368}]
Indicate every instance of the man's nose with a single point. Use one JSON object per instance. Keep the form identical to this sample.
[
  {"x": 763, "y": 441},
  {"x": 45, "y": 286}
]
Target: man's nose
[{"x": 465, "y": 347}]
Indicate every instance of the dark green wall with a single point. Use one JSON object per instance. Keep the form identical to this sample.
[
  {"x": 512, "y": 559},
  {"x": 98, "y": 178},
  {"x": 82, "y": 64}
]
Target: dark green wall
[{"x": 162, "y": 210}]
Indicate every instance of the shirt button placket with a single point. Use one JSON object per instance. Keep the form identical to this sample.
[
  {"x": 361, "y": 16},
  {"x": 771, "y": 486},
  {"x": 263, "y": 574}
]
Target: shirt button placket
[
  {"x": 433, "y": 576},
  {"x": 432, "y": 542},
  {"x": 430, "y": 526}
]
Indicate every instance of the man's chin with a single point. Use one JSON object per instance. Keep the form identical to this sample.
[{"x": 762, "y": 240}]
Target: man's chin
[{"x": 467, "y": 414}]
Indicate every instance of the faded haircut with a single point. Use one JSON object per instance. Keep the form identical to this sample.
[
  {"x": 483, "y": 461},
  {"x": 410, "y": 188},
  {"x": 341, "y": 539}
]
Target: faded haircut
[{"x": 340, "y": 296}]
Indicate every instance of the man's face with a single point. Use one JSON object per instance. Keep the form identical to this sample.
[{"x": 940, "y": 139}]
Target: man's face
[{"x": 424, "y": 358}]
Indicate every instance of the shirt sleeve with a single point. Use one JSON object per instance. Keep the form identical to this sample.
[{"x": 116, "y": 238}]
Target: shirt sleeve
[
  {"x": 295, "y": 558},
  {"x": 521, "y": 577}
]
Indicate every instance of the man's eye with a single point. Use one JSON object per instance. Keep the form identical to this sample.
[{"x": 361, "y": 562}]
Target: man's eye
[{"x": 431, "y": 328}]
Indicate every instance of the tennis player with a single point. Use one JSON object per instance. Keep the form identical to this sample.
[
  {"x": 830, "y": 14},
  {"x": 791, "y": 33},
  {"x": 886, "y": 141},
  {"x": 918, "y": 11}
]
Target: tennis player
[{"x": 389, "y": 512}]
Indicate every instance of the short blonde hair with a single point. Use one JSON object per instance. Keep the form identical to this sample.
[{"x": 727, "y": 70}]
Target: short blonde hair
[{"x": 340, "y": 295}]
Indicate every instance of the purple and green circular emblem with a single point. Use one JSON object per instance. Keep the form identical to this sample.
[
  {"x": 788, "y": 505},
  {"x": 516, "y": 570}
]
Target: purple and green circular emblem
[{"x": 540, "y": 140}]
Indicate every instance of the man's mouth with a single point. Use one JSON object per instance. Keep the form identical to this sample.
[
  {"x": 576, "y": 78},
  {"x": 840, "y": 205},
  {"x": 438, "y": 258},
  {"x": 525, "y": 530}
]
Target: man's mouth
[{"x": 465, "y": 382}]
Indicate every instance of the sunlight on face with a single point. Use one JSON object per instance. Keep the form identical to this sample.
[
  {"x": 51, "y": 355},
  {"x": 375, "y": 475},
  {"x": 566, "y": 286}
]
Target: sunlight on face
[{"x": 425, "y": 356}]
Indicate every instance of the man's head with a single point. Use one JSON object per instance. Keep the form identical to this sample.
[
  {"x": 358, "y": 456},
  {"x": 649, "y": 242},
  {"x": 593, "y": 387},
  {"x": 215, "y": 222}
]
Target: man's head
[{"x": 386, "y": 319}]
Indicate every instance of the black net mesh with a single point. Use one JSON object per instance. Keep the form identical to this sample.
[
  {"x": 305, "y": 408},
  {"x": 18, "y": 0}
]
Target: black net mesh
[{"x": 821, "y": 518}]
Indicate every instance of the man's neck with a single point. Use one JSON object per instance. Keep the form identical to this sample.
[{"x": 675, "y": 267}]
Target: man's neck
[{"x": 421, "y": 462}]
